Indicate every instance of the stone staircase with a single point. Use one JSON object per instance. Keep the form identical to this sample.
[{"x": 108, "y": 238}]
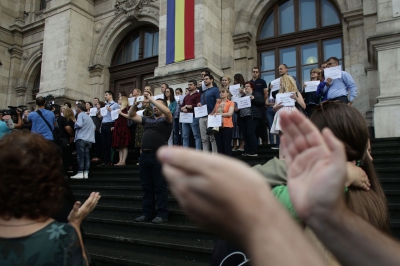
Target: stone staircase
[{"x": 113, "y": 238}]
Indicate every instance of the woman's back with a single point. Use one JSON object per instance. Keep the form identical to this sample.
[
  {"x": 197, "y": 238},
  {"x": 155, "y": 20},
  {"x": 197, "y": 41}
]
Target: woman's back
[{"x": 55, "y": 244}]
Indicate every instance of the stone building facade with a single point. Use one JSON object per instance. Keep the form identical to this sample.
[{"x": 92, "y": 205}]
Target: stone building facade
[{"x": 73, "y": 49}]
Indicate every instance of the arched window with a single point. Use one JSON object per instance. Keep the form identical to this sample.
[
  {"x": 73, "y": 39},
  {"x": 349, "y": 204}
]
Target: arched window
[
  {"x": 301, "y": 34},
  {"x": 140, "y": 44}
]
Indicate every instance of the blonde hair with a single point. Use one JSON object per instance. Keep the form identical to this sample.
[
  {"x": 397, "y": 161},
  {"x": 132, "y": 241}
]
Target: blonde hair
[
  {"x": 138, "y": 90},
  {"x": 69, "y": 114},
  {"x": 318, "y": 71},
  {"x": 124, "y": 102},
  {"x": 228, "y": 78},
  {"x": 287, "y": 84}
]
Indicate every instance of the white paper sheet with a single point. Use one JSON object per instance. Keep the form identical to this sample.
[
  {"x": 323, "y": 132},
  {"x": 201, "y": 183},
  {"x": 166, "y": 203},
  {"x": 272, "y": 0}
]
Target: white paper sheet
[
  {"x": 201, "y": 111},
  {"x": 285, "y": 99},
  {"x": 140, "y": 99},
  {"x": 311, "y": 86},
  {"x": 177, "y": 98},
  {"x": 140, "y": 113},
  {"x": 159, "y": 96},
  {"x": 235, "y": 98},
  {"x": 276, "y": 84},
  {"x": 103, "y": 111},
  {"x": 186, "y": 117},
  {"x": 333, "y": 72},
  {"x": 244, "y": 102},
  {"x": 114, "y": 114},
  {"x": 234, "y": 89},
  {"x": 93, "y": 111},
  {"x": 214, "y": 121},
  {"x": 131, "y": 100}
]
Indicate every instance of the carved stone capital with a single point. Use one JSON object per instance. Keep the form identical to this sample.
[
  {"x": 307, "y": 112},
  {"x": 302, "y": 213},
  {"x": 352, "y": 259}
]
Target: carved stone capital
[
  {"x": 380, "y": 43},
  {"x": 15, "y": 52},
  {"x": 96, "y": 70},
  {"x": 20, "y": 90},
  {"x": 242, "y": 40},
  {"x": 131, "y": 6}
]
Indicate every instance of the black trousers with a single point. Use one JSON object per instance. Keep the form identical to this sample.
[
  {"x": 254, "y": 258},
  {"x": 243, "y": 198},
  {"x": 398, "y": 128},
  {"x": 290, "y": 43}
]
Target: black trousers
[
  {"x": 154, "y": 185},
  {"x": 310, "y": 108},
  {"x": 248, "y": 126},
  {"x": 224, "y": 140},
  {"x": 341, "y": 98},
  {"x": 106, "y": 140}
]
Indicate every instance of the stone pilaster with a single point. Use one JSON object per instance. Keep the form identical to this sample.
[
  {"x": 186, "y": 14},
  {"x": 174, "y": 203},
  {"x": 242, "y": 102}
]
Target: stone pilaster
[{"x": 21, "y": 93}]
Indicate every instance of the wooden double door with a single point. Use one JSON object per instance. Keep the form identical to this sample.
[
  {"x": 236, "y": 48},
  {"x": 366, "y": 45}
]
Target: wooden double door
[{"x": 129, "y": 76}]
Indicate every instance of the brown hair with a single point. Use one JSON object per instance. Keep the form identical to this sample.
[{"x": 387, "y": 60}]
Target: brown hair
[
  {"x": 69, "y": 114},
  {"x": 318, "y": 71},
  {"x": 350, "y": 127},
  {"x": 30, "y": 179}
]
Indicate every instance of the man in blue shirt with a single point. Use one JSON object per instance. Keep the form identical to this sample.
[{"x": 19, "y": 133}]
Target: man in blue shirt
[
  {"x": 84, "y": 137},
  {"x": 209, "y": 97},
  {"x": 39, "y": 125},
  {"x": 106, "y": 124},
  {"x": 3, "y": 126},
  {"x": 338, "y": 89}
]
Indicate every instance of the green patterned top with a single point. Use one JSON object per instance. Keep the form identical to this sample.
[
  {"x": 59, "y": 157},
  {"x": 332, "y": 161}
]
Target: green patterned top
[{"x": 56, "y": 244}]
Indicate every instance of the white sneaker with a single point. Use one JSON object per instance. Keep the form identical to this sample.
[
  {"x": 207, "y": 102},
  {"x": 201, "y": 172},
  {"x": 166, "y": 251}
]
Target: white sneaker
[
  {"x": 85, "y": 174},
  {"x": 79, "y": 175}
]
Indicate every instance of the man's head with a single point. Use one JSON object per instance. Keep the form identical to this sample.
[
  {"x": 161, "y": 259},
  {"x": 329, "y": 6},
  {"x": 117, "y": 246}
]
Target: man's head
[
  {"x": 323, "y": 65},
  {"x": 157, "y": 112},
  {"x": 203, "y": 73},
  {"x": 163, "y": 87},
  {"x": 81, "y": 108},
  {"x": 192, "y": 85},
  {"x": 332, "y": 62},
  {"x": 67, "y": 104},
  {"x": 57, "y": 110},
  {"x": 283, "y": 69},
  {"x": 40, "y": 101},
  {"x": 81, "y": 101},
  {"x": 108, "y": 96},
  {"x": 95, "y": 101},
  {"x": 255, "y": 73},
  {"x": 208, "y": 80}
]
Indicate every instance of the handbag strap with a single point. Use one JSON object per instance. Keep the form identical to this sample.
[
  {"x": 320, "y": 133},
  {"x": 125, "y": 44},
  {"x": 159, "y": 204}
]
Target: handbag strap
[{"x": 44, "y": 119}]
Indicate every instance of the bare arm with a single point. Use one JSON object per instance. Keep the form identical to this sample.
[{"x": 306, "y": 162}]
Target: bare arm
[
  {"x": 265, "y": 94},
  {"x": 164, "y": 109},
  {"x": 230, "y": 112},
  {"x": 69, "y": 131},
  {"x": 316, "y": 177}
]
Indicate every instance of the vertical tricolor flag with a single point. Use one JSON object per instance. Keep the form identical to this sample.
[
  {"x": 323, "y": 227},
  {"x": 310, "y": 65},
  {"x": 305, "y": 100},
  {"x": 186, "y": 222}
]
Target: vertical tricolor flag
[{"x": 180, "y": 30}]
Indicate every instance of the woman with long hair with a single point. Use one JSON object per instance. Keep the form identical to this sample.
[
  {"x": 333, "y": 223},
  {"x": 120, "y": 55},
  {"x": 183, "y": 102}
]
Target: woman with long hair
[
  {"x": 312, "y": 99},
  {"x": 122, "y": 135},
  {"x": 169, "y": 96},
  {"x": 225, "y": 108},
  {"x": 237, "y": 134},
  {"x": 177, "y": 131},
  {"x": 67, "y": 155},
  {"x": 287, "y": 85}
]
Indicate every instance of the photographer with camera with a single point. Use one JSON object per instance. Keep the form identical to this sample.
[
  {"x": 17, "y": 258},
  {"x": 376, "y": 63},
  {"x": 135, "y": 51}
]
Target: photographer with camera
[{"x": 43, "y": 121}]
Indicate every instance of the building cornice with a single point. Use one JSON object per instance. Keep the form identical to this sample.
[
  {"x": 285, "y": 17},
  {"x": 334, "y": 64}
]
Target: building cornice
[{"x": 380, "y": 43}]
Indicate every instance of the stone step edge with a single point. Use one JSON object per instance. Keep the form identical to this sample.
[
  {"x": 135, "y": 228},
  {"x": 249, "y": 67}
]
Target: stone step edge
[{"x": 132, "y": 209}]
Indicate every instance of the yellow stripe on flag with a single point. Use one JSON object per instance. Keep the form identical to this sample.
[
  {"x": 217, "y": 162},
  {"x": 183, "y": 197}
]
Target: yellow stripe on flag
[{"x": 179, "y": 30}]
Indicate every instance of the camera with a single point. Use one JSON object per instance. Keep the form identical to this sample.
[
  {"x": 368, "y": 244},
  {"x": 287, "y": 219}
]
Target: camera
[{"x": 49, "y": 102}]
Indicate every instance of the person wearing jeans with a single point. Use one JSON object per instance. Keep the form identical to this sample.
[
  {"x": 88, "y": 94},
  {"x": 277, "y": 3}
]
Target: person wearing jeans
[
  {"x": 84, "y": 137},
  {"x": 186, "y": 127}
]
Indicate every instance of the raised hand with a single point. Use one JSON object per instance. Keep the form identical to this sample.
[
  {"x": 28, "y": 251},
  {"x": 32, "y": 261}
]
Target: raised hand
[
  {"x": 316, "y": 166},
  {"x": 78, "y": 212}
]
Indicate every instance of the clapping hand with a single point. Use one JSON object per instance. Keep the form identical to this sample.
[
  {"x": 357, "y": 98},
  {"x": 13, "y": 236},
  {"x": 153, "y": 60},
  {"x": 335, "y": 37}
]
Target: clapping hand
[
  {"x": 316, "y": 166},
  {"x": 78, "y": 212}
]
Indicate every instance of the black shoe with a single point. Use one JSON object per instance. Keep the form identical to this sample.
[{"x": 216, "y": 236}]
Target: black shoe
[
  {"x": 159, "y": 220},
  {"x": 102, "y": 164},
  {"x": 141, "y": 219}
]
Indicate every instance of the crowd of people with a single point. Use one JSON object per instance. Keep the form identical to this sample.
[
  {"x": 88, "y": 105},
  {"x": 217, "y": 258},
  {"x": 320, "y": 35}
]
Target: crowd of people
[{"x": 321, "y": 180}]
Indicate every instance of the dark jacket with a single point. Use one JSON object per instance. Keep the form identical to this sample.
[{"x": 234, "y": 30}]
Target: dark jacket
[{"x": 256, "y": 103}]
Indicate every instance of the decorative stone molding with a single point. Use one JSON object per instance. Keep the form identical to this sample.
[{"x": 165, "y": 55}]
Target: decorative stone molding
[
  {"x": 20, "y": 90},
  {"x": 25, "y": 55},
  {"x": 96, "y": 70},
  {"x": 380, "y": 43},
  {"x": 98, "y": 27},
  {"x": 15, "y": 52},
  {"x": 354, "y": 18},
  {"x": 131, "y": 6},
  {"x": 242, "y": 40}
]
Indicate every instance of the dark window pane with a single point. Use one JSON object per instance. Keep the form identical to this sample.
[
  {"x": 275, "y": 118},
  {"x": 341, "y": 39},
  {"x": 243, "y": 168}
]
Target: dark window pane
[
  {"x": 267, "y": 61},
  {"x": 292, "y": 72},
  {"x": 309, "y": 54},
  {"x": 288, "y": 56},
  {"x": 268, "y": 27},
  {"x": 119, "y": 58},
  {"x": 43, "y": 4},
  {"x": 150, "y": 43},
  {"x": 135, "y": 47},
  {"x": 127, "y": 55},
  {"x": 155, "y": 44},
  {"x": 332, "y": 48},
  {"x": 268, "y": 76},
  {"x": 286, "y": 17},
  {"x": 306, "y": 72},
  {"x": 329, "y": 15},
  {"x": 307, "y": 14}
]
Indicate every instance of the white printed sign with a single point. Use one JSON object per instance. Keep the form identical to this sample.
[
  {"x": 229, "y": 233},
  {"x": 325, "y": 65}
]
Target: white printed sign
[
  {"x": 140, "y": 99},
  {"x": 234, "y": 89},
  {"x": 114, "y": 114},
  {"x": 131, "y": 100},
  {"x": 244, "y": 102},
  {"x": 333, "y": 72},
  {"x": 140, "y": 113},
  {"x": 214, "y": 121},
  {"x": 186, "y": 117},
  {"x": 201, "y": 111},
  {"x": 93, "y": 111},
  {"x": 159, "y": 96},
  {"x": 103, "y": 111},
  {"x": 311, "y": 86},
  {"x": 285, "y": 99},
  {"x": 276, "y": 84}
]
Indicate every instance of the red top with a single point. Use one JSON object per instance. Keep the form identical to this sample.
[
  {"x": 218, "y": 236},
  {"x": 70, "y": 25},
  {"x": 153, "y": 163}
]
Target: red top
[{"x": 192, "y": 100}]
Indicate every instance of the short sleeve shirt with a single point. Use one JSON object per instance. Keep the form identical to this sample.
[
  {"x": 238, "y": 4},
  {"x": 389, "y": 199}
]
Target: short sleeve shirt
[
  {"x": 210, "y": 97},
  {"x": 39, "y": 125},
  {"x": 259, "y": 85},
  {"x": 192, "y": 100},
  {"x": 156, "y": 132}
]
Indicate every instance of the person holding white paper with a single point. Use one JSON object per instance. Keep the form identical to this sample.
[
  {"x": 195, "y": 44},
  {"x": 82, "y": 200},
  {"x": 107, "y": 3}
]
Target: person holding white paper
[
  {"x": 237, "y": 134},
  {"x": 249, "y": 119},
  {"x": 177, "y": 131},
  {"x": 312, "y": 99},
  {"x": 191, "y": 100},
  {"x": 343, "y": 89},
  {"x": 225, "y": 108},
  {"x": 169, "y": 96},
  {"x": 288, "y": 84}
]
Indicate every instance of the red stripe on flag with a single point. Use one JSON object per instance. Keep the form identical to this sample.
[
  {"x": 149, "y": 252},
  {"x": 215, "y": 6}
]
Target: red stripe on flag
[{"x": 189, "y": 29}]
